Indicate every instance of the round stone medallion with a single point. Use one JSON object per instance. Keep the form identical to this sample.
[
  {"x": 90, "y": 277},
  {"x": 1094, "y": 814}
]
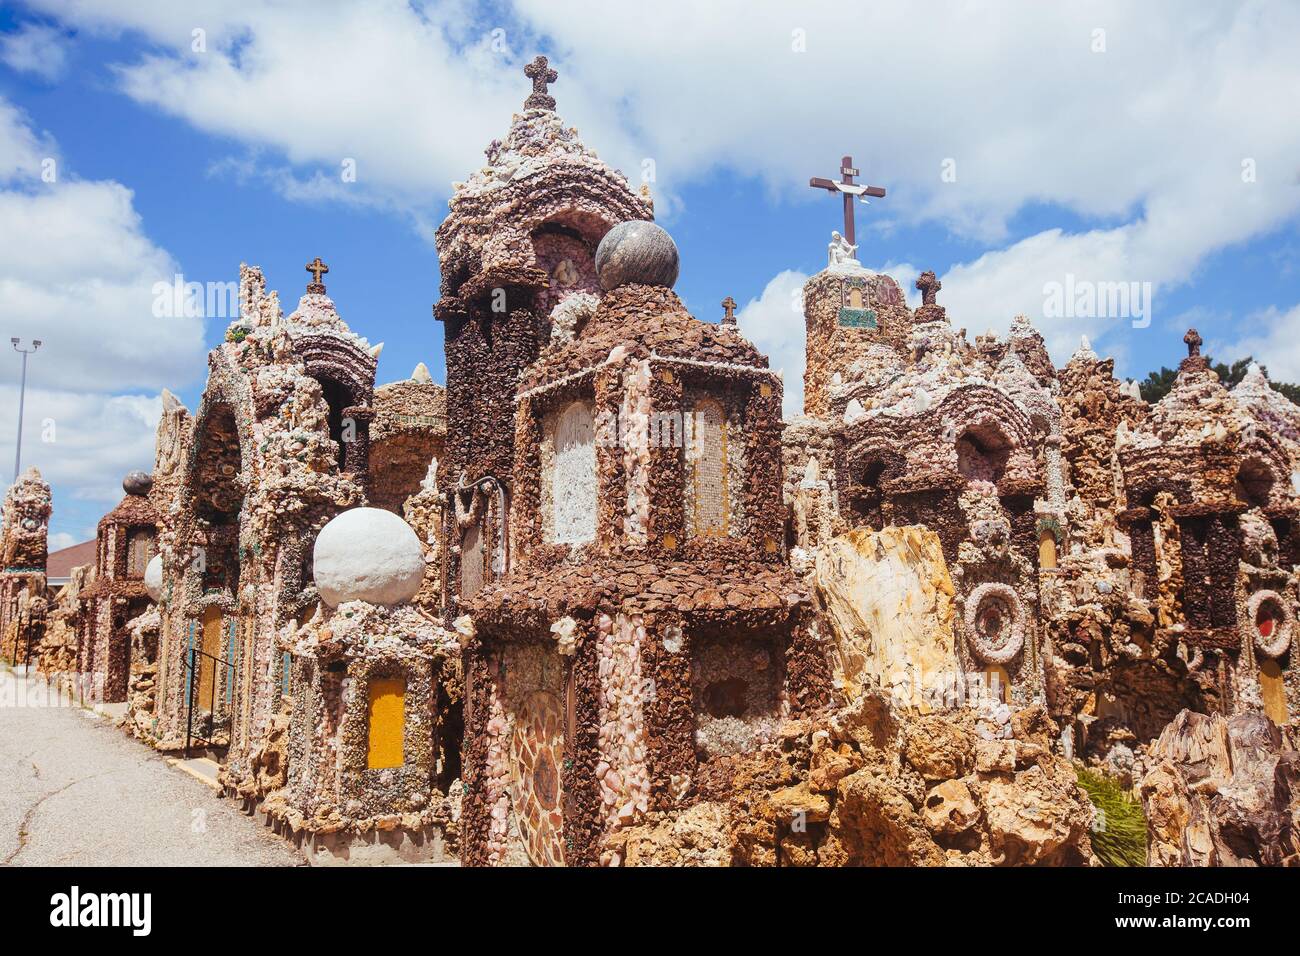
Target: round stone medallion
[{"x": 993, "y": 623}]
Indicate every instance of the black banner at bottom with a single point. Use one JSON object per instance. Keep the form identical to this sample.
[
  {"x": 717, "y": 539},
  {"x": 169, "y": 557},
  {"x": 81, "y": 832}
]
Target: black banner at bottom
[{"x": 144, "y": 906}]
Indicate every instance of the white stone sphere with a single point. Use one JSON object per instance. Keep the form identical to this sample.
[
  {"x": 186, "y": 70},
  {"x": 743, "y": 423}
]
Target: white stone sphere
[
  {"x": 153, "y": 577},
  {"x": 367, "y": 554}
]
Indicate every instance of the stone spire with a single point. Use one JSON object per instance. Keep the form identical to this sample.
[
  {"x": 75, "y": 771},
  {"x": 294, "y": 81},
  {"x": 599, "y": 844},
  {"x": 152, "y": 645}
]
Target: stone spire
[{"x": 1084, "y": 353}]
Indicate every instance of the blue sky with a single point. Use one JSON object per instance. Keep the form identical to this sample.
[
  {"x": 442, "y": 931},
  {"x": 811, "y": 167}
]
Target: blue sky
[{"x": 1113, "y": 156}]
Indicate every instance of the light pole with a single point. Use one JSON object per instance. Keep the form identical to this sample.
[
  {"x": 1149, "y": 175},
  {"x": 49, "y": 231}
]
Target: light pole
[{"x": 22, "y": 397}]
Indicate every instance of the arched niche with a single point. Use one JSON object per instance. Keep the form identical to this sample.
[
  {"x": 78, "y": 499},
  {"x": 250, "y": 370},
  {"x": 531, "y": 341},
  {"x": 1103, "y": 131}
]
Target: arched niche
[
  {"x": 564, "y": 247},
  {"x": 1255, "y": 481},
  {"x": 473, "y": 559},
  {"x": 216, "y": 485},
  {"x": 337, "y": 398},
  {"x": 1046, "y": 549},
  {"x": 983, "y": 450},
  {"x": 346, "y": 375}
]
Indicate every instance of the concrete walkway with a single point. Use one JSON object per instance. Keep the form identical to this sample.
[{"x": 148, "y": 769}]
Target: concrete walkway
[{"x": 76, "y": 791}]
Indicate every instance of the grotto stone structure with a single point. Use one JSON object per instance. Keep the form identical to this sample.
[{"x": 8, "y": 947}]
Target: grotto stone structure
[
  {"x": 261, "y": 466},
  {"x": 910, "y": 425},
  {"x": 280, "y": 444},
  {"x": 614, "y": 535},
  {"x": 68, "y": 628},
  {"x": 126, "y": 541},
  {"x": 517, "y": 255},
  {"x": 24, "y": 530},
  {"x": 373, "y": 734},
  {"x": 595, "y": 603}
]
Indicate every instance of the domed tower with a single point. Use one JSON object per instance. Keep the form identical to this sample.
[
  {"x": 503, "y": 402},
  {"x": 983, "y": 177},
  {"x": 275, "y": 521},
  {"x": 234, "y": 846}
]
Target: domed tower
[
  {"x": 647, "y": 631},
  {"x": 517, "y": 252}
]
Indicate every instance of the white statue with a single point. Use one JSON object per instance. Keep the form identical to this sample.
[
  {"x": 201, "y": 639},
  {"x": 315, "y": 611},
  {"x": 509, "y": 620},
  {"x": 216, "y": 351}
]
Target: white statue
[{"x": 840, "y": 250}]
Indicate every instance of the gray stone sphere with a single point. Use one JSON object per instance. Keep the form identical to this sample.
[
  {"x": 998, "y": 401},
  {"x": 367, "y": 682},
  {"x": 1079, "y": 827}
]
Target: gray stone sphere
[
  {"x": 636, "y": 252},
  {"x": 137, "y": 483},
  {"x": 367, "y": 554}
]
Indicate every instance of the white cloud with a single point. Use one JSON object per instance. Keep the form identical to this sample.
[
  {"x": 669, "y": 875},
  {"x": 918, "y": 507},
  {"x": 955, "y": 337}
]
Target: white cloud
[
  {"x": 34, "y": 48},
  {"x": 83, "y": 442},
  {"x": 1146, "y": 139},
  {"x": 774, "y": 322},
  {"x": 22, "y": 149},
  {"x": 1274, "y": 343},
  {"x": 62, "y": 539},
  {"x": 386, "y": 85},
  {"x": 76, "y": 272}
]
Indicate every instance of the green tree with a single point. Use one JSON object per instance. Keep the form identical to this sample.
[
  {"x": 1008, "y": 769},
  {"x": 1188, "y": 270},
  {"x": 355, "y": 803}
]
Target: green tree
[{"x": 1157, "y": 384}]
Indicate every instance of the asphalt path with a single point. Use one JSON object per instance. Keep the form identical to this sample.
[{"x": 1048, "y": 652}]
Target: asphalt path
[{"x": 76, "y": 791}]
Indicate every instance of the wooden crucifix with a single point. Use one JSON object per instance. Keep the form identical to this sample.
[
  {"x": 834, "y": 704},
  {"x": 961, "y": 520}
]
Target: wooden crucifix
[
  {"x": 317, "y": 269},
  {"x": 849, "y": 189}
]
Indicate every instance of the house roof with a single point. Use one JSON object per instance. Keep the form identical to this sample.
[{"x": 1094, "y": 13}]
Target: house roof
[{"x": 59, "y": 566}]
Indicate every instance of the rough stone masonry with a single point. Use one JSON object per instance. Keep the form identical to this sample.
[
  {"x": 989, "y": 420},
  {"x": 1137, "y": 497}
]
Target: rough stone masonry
[{"x": 596, "y": 603}]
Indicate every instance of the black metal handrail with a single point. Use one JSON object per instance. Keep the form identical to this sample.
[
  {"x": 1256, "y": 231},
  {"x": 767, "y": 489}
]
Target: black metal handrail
[
  {"x": 191, "y": 665},
  {"x": 27, "y": 653}
]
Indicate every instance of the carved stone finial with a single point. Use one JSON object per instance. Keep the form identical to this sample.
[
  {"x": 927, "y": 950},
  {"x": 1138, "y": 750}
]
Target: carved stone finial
[
  {"x": 1194, "y": 342},
  {"x": 929, "y": 285},
  {"x": 317, "y": 269},
  {"x": 728, "y": 311},
  {"x": 540, "y": 73}
]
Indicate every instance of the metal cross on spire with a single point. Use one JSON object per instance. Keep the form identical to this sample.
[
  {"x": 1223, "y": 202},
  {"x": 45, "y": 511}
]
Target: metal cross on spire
[
  {"x": 316, "y": 268},
  {"x": 849, "y": 189},
  {"x": 540, "y": 73}
]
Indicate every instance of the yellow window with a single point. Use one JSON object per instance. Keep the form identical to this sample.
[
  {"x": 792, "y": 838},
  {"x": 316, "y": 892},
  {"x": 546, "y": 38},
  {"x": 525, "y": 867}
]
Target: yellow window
[
  {"x": 210, "y": 644},
  {"x": 387, "y": 722},
  {"x": 1046, "y": 549},
  {"x": 1273, "y": 690}
]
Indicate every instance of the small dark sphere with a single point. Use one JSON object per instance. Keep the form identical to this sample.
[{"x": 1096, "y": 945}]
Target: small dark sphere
[
  {"x": 636, "y": 252},
  {"x": 137, "y": 483}
]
